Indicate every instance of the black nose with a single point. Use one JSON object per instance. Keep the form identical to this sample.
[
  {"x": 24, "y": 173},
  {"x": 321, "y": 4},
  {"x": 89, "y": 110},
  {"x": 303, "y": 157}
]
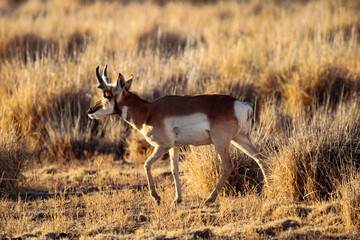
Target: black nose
[{"x": 90, "y": 110}]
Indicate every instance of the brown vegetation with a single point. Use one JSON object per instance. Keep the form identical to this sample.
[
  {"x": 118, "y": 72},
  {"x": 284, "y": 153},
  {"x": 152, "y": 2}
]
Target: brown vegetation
[
  {"x": 295, "y": 62},
  {"x": 29, "y": 47},
  {"x": 14, "y": 155},
  {"x": 167, "y": 43}
]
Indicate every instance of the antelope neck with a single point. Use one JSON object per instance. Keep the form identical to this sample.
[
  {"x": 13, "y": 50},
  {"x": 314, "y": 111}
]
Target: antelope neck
[
  {"x": 136, "y": 108},
  {"x": 116, "y": 108}
]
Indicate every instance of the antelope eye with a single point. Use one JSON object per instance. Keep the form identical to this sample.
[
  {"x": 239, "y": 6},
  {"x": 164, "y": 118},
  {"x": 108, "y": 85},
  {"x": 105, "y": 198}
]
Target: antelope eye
[{"x": 107, "y": 95}]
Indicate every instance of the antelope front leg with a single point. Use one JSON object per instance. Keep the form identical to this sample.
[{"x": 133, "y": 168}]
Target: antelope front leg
[
  {"x": 156, "y": 154},
  {"x": 174, "y": 160}
]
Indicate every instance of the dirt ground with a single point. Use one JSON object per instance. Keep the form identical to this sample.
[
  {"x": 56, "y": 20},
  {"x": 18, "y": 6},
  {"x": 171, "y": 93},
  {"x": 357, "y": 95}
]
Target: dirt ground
[{"x": 109, "y": 199}]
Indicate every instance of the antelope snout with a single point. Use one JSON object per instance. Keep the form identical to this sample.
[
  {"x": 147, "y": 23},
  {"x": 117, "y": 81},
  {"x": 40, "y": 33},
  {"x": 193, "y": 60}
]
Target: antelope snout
[{"x": 90, "y": 110}]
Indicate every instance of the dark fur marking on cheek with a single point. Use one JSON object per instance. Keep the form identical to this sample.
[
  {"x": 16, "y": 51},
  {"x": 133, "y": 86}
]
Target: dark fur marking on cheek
[{"x": 94, "y": 108}]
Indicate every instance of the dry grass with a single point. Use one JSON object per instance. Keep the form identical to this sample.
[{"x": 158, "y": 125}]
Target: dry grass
[
  {"x": 14, "y": 156},
  {"x": 317, "y": 155},
  {"x": 295, "y": 62},
  {"x": 137, "y": 149},
  {"x": 203, "y": 170}
]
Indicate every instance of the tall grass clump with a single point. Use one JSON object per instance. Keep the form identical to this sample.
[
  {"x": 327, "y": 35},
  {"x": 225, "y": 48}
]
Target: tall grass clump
[
  {"x": 29, "y": 47},
  {"x": 348, "y": 194},
  {"x": 14, "y": 155},
  {"x": 137, "y": 149},
  {"x": 202, "y": 171},
  {"x": 313, "y": 159},
  {"x": 166, "y": 43},
  {"x": 69, "y": 134}
]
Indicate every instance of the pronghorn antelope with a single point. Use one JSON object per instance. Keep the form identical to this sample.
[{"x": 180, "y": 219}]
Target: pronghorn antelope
[{"x": 174, "y": 121}]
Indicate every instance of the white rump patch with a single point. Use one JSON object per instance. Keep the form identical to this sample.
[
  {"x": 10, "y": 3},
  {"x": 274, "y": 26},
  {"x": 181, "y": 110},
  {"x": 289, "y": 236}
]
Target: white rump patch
[
  {"x": 243, "y": 113},
  {"x": 191, "y": 129}
]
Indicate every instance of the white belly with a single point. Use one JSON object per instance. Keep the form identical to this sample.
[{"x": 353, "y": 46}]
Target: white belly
[{"x": 192, "y": 129}]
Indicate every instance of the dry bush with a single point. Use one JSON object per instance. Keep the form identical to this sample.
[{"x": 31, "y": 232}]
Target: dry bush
[
  {"x": 334, "y": 85},
  {"x": 11, "y": 5},
  {"x": 15, "y": 2},
  {"x": 345, "y": 31},
  {"x": 137, "y": 149},
  {"x": 65, "y": 125},
  {"x": 69, "y": 134},
  {"x": 311, "y": 162},
  {"x": 299, "y": 89},
  {"x": 14, "y": 156},
  {"x": 56, "y": 123},
  {"x": 76, "y": 43},
  {"x": 29, "y": 47},
  {"x": 349, "y": 195},
  {"x": 168, "y": 86},
  {"x": 167, "y": 43},
  {"x": 270, "y": 84},
  {"x": 203, "y": 170}
]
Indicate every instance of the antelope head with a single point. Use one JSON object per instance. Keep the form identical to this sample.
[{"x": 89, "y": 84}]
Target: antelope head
[{"x": 113, "y": 95}]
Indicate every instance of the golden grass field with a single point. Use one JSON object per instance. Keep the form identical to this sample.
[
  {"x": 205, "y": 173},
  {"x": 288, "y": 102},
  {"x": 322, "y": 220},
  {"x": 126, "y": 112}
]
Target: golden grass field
[{"x": 64, "y": 176}]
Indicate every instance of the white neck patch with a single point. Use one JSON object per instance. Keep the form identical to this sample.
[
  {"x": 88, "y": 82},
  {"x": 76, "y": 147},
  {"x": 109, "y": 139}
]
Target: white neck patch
[
  {"x": 118, "y": 97},
  {"x": 124, "y": 111}
]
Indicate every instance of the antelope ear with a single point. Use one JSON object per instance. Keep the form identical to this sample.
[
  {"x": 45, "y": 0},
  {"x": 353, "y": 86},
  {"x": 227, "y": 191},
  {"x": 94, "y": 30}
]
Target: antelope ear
[
  {"x": 120, "y": 81},
  {"x": 129, "y": 82}
]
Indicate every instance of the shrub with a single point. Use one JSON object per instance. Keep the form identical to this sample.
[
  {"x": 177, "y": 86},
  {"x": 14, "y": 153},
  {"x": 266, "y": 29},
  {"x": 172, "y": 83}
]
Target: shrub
[
  {"x": 333, "y": 85},
  {"x": 349, "y": 196},
  {"x": 137, "y": 149},
  {"x": 203, "y": 170},
  {"x": 76, "y": 43},
  {"x": 14, "y": 156},
  {"x": 12, "y": 5},
  {"x": 167, "y": 43},
  {"x": 29, "y": 47},
  {"x": 68, "y": 133},
  {"x": 311, "y": 162}
]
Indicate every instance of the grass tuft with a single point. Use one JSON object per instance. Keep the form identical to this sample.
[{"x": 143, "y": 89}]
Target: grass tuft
[
  {"x": 29, "y": 47},
  {"x": 14, "y": 156},
  {"x": 137, "y": 149},
  {"x": 167, "y": 43},
  {"x": 76, "y": 43},
  {"x": 313, "y": 159},
  {"x": 203, "y": 170}
]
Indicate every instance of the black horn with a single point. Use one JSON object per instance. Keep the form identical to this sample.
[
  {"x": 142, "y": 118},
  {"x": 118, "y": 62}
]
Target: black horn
[
  {"x": 105, "y": 71},
  {"x": 100, "y": 79},
  {"x": 105, "y": 75}
]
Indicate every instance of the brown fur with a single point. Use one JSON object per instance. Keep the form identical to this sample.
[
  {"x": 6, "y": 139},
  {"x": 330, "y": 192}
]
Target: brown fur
[{"x": 218, "y": 108}]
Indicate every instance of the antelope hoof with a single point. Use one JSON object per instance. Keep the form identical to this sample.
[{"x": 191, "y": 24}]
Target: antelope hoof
[
  {"x": 157, "y": 200},
  {"x": 177, "y": 201},
  {"x": 209, "y": 201}
]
